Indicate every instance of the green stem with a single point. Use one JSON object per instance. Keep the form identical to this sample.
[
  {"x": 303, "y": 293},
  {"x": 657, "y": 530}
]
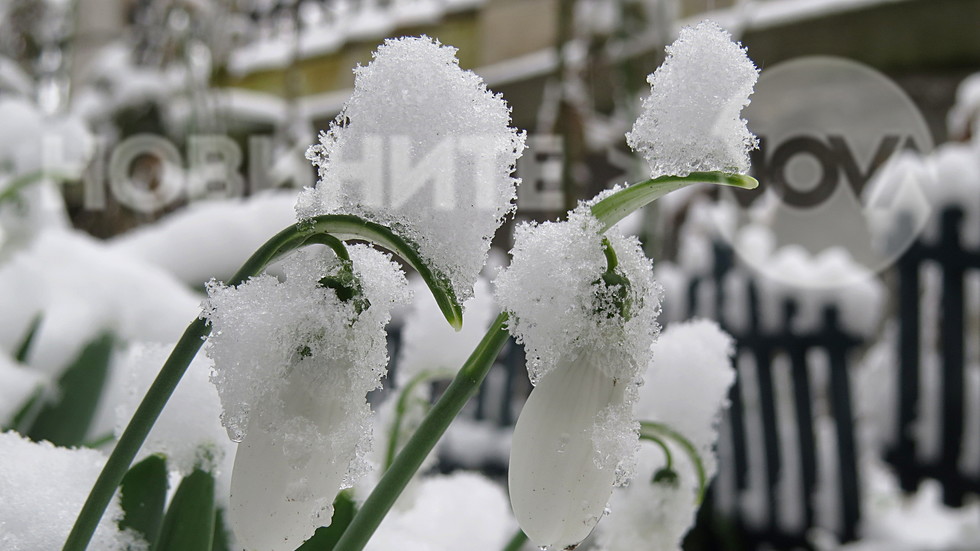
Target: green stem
[
  {"x": 611, "y": 260},
  {"x": 15, "y": 185},
  {"x": 619, "y": 205},
  {"x": 134, "y": 435},
  {"x": 649, "y": 427},
  {"x": 289, "y": 239},
  {"x": 663, "y": 446},
  {"x": 400, "y": 409},
  {"x": 516, "y": 542},
  {"x": 462, "y": 388}
]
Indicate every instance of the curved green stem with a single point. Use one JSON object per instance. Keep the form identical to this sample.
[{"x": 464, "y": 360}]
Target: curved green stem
[
  {"x": 400, "y": 407},
  {"x": 289, "y": 239},
  {"x": 656, "y": 429},
  {"x": 617, "y": 206},
  {"x": 345, "y": 227},
  {"x": 13, "y": 188},
  {"x": 611, "y": 260},
  {"x": 663, "y": 446},
  {"x": 462, "y": 388},
  {"x": 335, "y": 244}
]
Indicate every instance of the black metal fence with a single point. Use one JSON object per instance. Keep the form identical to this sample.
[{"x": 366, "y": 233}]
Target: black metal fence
[
  {"x": 955, "y": 261},
  {"x": 726, "y": 526},
  {"x": 770, "y": 347},
  {"x": 729, "y": 527}
]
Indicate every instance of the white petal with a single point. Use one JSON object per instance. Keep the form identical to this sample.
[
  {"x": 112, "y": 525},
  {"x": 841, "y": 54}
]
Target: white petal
[
  {"x": 557, "y": 491},
  {"x": 278, "y": 496}
]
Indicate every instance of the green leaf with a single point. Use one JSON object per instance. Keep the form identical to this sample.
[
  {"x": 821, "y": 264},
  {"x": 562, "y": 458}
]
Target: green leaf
[
  {"x": 189, "y": 523},
  {"x": 220, "y": 541},
  {"x": 24, "y": 418},
  {"x": 619, "y": 205},
  {"x": 25, "y": 345},
  {"x": 516, "y": 542},
  {"x": 326, "y": 537},
  {"x": 66, "y": 422},
  {"x": 143, "y": 494}
]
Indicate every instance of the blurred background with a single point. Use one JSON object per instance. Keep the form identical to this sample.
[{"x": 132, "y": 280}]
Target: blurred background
[{"x": 168, "y": 137}]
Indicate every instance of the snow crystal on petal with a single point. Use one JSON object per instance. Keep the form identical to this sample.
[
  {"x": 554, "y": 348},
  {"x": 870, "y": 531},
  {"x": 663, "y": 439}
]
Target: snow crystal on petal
[
  {"x": 43, "y": 489},
  {"x": 691, "y": 121},
  {"x": 421, "y": 146},
  {"x": 587, "y": 333}
]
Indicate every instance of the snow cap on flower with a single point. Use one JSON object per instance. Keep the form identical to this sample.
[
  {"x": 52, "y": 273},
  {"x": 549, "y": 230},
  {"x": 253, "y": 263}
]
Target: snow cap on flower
[
  {"x": 556, "y": 307},
  {"x": 692, "y": 121},
  {"x": 293, "y": 363},
  {"x": 587, "y": 340},
  {"x": 423, "y": 147}
]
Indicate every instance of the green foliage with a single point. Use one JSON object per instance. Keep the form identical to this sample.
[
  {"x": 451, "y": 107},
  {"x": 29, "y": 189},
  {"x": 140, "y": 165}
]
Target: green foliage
[
  {"x": 67, "y": 421},
  {"x": 25, "y": 346},
  {"x": 189, "y": 523},
  {"x": 326, "y": 537},
  {"x": 143, "y": 495}
]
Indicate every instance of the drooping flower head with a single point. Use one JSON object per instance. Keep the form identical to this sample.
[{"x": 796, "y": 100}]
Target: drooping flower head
[
  {"x": 293, "y": 362},
  {"x": 423, "y": 147},
  {"x": 686, "y": 388},
  {"x": 692, "y": 119},
  {"x": 587, "y": 324}
]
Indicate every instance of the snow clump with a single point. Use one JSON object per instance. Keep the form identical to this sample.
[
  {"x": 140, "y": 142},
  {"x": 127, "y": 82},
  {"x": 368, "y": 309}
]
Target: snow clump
[
  {"x": 553, "y": 294},
  {"x": 691, "y": 121},
  {"x": 422, "y": 147},
  {"x": 187, "y": 432},
  {"x": 43, "y": 489}
]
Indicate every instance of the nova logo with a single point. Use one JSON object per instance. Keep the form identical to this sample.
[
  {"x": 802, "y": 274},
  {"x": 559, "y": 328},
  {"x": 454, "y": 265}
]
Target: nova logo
[
  {"x": 804, "y": 171},
  {"x": 830, "y": 131}
]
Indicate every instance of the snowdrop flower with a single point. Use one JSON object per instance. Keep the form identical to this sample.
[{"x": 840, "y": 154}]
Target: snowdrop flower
[
  {"x": 293, "y": 362},
  {"x": 686, "y": 389},
  {"x": 424, "y": 148},
  {"x": 691, "y": 121},
  {"x": 587, "y": 331}
]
